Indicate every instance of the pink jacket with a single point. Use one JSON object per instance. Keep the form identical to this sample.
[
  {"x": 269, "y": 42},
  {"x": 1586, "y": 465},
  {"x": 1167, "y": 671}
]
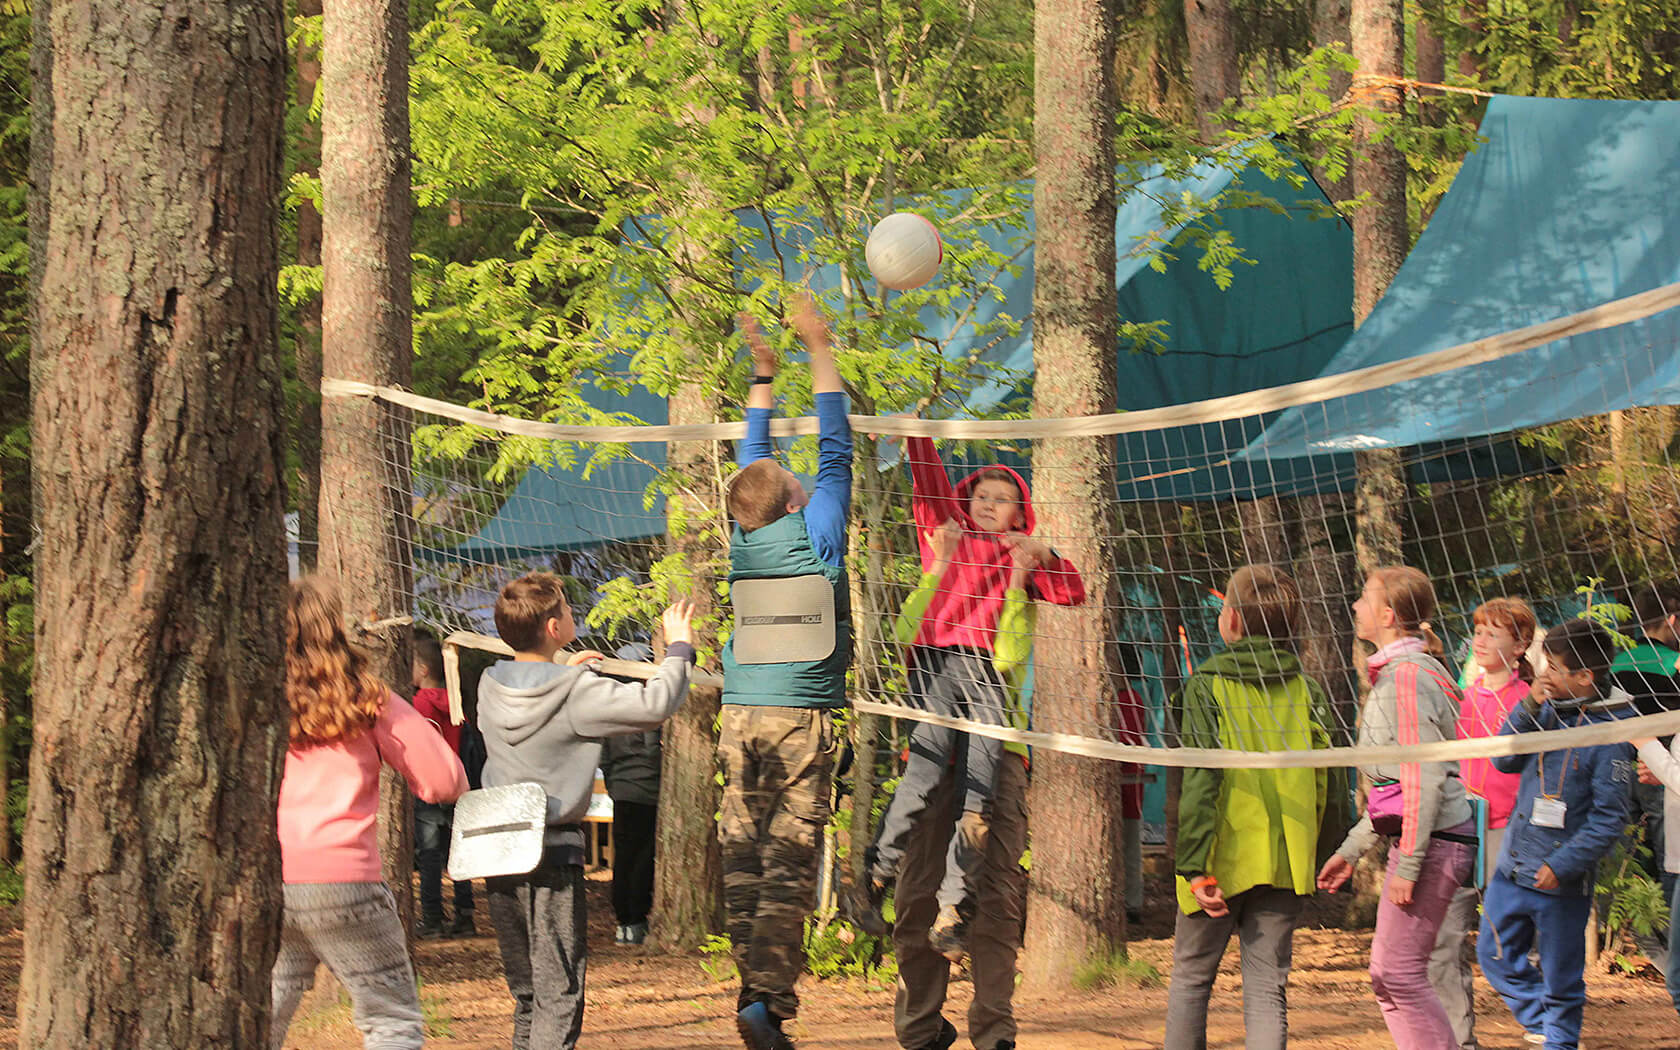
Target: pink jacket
[
  {"x": 329, "y": 795},
  {"x": 964, "y": 611},
  {"x": 1481, "y": 714}
]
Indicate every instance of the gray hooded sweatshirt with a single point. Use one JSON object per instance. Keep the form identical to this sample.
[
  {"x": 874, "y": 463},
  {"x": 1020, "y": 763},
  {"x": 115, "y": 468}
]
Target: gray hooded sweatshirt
[{"x": 544, "y": 724}]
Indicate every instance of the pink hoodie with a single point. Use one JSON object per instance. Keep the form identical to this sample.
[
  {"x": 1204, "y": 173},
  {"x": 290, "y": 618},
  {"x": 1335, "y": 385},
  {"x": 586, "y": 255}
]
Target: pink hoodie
[
  {"x": 329, "y": 795},
  {"x": 1482, "y": 714},
  {"x": 965, "y": 610}
]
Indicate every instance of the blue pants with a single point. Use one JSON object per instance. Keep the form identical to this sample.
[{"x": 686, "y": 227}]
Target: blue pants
[
  {"x": 1549, "y": 1000},
  {"x": 431, "y": 850}
]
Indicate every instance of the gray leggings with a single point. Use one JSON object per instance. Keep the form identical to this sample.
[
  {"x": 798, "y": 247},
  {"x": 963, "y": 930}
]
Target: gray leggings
[{"x": 354, "y": 929}]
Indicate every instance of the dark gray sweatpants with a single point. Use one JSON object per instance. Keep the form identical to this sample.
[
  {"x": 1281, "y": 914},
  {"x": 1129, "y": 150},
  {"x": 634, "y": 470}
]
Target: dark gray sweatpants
[
  {"x": 961, "y": 683},
  {"x": 1264, "y": 920},
  {"x": 541, "y": 927}
]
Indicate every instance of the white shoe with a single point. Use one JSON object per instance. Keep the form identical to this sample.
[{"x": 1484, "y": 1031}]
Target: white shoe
[
  {"x": 622, "y": 936},
  {"x": 1534, "y": 1039}
]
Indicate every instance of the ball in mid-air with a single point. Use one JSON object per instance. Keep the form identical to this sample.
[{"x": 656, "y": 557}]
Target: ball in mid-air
[{"x": 903, "y": 251}]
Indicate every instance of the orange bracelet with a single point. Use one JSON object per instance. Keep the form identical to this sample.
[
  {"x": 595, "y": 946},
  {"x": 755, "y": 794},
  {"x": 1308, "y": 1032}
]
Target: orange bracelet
[{"x": 1203, "y": 880}]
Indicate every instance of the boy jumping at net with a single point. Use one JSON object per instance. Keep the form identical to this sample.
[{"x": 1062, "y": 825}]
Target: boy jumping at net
[
  {"x": 784, "y": 675},
  {"x": 1250, "y": 840},
  {"x": 1571, "y": 807},
  {"x": 953, "y": 669}
]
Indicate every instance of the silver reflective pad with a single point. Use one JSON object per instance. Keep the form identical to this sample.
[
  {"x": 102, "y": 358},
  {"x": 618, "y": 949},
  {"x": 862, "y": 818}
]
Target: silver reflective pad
[
  {"x": 783, "y": 621},
  {"x": 497, "y": 831}
]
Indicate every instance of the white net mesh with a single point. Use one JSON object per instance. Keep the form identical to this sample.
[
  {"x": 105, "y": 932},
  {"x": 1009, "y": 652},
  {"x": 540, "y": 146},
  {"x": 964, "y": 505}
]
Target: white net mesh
[{"x": 1574, "y": 517}]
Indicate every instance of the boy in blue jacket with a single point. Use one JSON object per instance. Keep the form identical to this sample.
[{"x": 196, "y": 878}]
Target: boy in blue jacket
[{"x": 1571, "y": 807}]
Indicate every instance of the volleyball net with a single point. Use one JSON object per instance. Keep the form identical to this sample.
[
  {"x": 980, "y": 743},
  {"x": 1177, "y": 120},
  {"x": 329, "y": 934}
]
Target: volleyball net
[{"x": 1576, "y": 516}]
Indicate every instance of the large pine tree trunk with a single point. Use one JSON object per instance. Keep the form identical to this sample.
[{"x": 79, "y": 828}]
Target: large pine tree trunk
[
  {"x": 688, "y": 870},
  {"x": 1077, "y": 897},
  {"x": 366, "y": 335},
  {"x": 153, "y": 871},
  {"x": 1331, "y": 28}
]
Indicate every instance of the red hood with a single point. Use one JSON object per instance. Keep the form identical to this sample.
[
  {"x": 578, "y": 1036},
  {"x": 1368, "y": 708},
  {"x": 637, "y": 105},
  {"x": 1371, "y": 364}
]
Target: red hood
[{"x": 965, "y": 488}]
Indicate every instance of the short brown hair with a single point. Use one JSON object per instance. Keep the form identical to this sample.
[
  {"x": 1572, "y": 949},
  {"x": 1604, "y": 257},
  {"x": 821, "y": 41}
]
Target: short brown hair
[
  {"x": 525, "y": 605},
  {"x": 758, "y": 494},
  {"x": 1265, "y": 602},
  {"x": 428, "y": 653}
]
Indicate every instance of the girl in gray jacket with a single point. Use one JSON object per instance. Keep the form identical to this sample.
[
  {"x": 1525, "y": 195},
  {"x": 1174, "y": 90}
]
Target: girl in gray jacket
[{"x": 1419, "y": 806}]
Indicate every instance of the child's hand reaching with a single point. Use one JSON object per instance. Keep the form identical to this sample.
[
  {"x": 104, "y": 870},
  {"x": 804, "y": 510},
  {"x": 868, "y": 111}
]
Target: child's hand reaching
[
  {"x": 764, "y": 357},
  {"x": 943, "y": 541},
  {"x": 586, "y": 656},
  {"x": 1028, "y": 553},
  {"x": 679, "y": 622}
]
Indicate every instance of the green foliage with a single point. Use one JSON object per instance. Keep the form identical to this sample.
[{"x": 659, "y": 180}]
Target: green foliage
[
  {"x": 836, "y": 949},
  {"x": 11, "y": 885},
  {"x": 1115, "y": 970},
  {"x": 1630, "y": 902},
  {"x": 1608, "y": 615},
  {"x": 715, "y": 957}
]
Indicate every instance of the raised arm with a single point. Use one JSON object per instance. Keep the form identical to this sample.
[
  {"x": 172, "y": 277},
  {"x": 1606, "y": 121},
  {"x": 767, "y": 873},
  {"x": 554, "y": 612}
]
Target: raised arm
[
  {"x": 761, "y": 399},
  {"x": 933, "y": 500},
  {"x": 601, "y": 706},
  {"x": 831, "y": 500},
  {"x": 413, "y": 747}
]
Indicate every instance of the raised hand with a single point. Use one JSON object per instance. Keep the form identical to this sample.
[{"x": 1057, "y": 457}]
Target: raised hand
[
  {"x": 943, "y": 540},
  {"x": 678, "y": 622},
  {"x": 764, "y": 356},
  {"x": 1027, "y": 552}
]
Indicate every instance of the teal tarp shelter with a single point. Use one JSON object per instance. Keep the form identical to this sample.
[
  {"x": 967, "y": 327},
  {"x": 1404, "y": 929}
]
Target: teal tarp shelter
[{"x": 1568, "y": 204}]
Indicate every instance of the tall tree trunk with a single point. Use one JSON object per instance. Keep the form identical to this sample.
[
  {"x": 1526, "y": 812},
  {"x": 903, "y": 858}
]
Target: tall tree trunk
[
  {"x": 688, "y": 871},
  {"x": 307, "y": 351},
  {"x": 153, "y": 872},
  {"x": 1431, "y": 58},
  {"x": 366, "y": 335},
  {"x": 1215, "y": 76},
  {"x": 1077, "y": 908},
  {"x": 1380, "y": 242},
  {"x": 1470, "y": 16},
  {"x": 1331, "y": 27}
]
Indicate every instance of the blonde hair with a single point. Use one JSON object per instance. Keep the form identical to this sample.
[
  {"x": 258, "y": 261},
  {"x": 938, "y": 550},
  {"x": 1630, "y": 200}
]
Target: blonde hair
[
  {"x": 1412, "y": 597},
  {"x": 332, "y": 692},
  {"x": 1514, "y": 615}
]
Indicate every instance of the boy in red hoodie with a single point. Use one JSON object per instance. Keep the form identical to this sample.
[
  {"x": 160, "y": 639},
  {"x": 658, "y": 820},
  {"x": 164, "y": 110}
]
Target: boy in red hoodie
[{"x": 952, "y": 669}]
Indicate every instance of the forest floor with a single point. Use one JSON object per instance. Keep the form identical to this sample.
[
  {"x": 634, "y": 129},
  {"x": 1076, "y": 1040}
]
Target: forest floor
[{"x": 640, "y": 999}]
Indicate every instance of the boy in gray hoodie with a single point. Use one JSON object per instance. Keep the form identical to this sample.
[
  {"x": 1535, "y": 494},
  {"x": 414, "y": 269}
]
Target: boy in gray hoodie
[{"x": 544, "y": 723}]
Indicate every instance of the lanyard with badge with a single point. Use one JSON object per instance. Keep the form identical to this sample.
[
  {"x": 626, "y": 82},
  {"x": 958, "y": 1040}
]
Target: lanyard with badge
[{"x": 1549, "y": 809}]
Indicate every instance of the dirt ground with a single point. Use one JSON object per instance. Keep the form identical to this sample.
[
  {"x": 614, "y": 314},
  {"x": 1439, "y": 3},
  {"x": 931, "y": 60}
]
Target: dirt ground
[{"x": 642, "y": 1000}]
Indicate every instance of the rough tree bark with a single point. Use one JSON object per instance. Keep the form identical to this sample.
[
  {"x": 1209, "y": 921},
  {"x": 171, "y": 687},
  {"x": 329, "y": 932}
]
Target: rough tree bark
[
  {"x": 153, "y": 871},
  {"x": 1331, "y": 28},
  {"x": 688, "y": 870},
  {"x": 1380, "y": 242},
  {"x": 1214, "y": 73},
  {"x": 366, "y": 335},
  {"x": 1077, "y": 895},
  {"x": 306, "y": 433}
]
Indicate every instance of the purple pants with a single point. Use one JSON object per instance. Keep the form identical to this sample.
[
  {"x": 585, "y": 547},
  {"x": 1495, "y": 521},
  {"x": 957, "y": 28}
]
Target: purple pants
[{"x": 1405, "y": 940}]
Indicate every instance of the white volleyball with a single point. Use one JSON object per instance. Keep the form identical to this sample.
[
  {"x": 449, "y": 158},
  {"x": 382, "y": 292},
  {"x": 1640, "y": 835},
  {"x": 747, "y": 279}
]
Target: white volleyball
[{"x": 903, "y": 251}]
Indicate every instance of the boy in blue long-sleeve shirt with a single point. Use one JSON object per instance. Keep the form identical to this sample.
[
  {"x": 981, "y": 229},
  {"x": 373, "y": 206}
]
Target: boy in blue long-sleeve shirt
[
  {"x": 784, "y": 675},
  {"x": 1571, "y": 807}
]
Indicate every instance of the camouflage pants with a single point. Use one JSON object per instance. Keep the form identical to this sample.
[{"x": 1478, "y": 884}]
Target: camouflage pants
[{"x": 777, "y": 765}]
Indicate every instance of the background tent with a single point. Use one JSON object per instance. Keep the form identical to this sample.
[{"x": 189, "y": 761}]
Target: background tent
[{"x": 1567, "y": 205}]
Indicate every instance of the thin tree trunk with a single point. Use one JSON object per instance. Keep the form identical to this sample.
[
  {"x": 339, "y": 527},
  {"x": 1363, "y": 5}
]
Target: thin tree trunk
[
  {"x": 1215, "y": 76},
  {"x": 688, "y": 871},
  {"x": 1431, "y": 57},
  {"x": 1380, "y": 242},
  {"x": 1077, "y": 910},
  {"x": 307, "y": 350},
  {"x": 1470, "y": 15},
  {"x": 152, "y": 896},
  {"x": 366, "y": 335},
  {"x": 1331, "y": 27}
]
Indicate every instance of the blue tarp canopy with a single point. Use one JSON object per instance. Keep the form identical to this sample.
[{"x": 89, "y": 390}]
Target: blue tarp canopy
[{"x": 1567, "y": 205}]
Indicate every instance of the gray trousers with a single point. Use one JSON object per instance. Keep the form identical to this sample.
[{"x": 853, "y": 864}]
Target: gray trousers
[
  {"x": 1264, "y": 919},
  {"x": 961, "y": 683},
  {"x": 354, "y": 929},
  {"x": 1449, "y": 966},
  {"x": 541, "y": 926}
]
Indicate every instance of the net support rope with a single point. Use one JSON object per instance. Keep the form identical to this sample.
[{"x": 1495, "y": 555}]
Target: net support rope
[{"x": 1213, "y": 410}]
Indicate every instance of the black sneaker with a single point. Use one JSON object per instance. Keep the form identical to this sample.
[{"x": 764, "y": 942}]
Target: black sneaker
[
  {"x": 462, "y": 925},
  {"x": 861, "y": 905},
  {"x": 946, "y": 1038},
  {"x": 429, "y": 929}
]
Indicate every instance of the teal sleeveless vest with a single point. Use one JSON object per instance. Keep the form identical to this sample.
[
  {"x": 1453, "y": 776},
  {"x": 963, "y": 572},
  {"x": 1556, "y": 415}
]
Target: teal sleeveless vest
[{"x": 782, "y": 550}]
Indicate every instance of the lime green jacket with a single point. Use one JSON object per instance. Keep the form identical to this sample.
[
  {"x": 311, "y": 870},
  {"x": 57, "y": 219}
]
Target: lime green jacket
[
  {"x": 1011, "y": 646},
  {"x": 1255, "y": 827}
]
